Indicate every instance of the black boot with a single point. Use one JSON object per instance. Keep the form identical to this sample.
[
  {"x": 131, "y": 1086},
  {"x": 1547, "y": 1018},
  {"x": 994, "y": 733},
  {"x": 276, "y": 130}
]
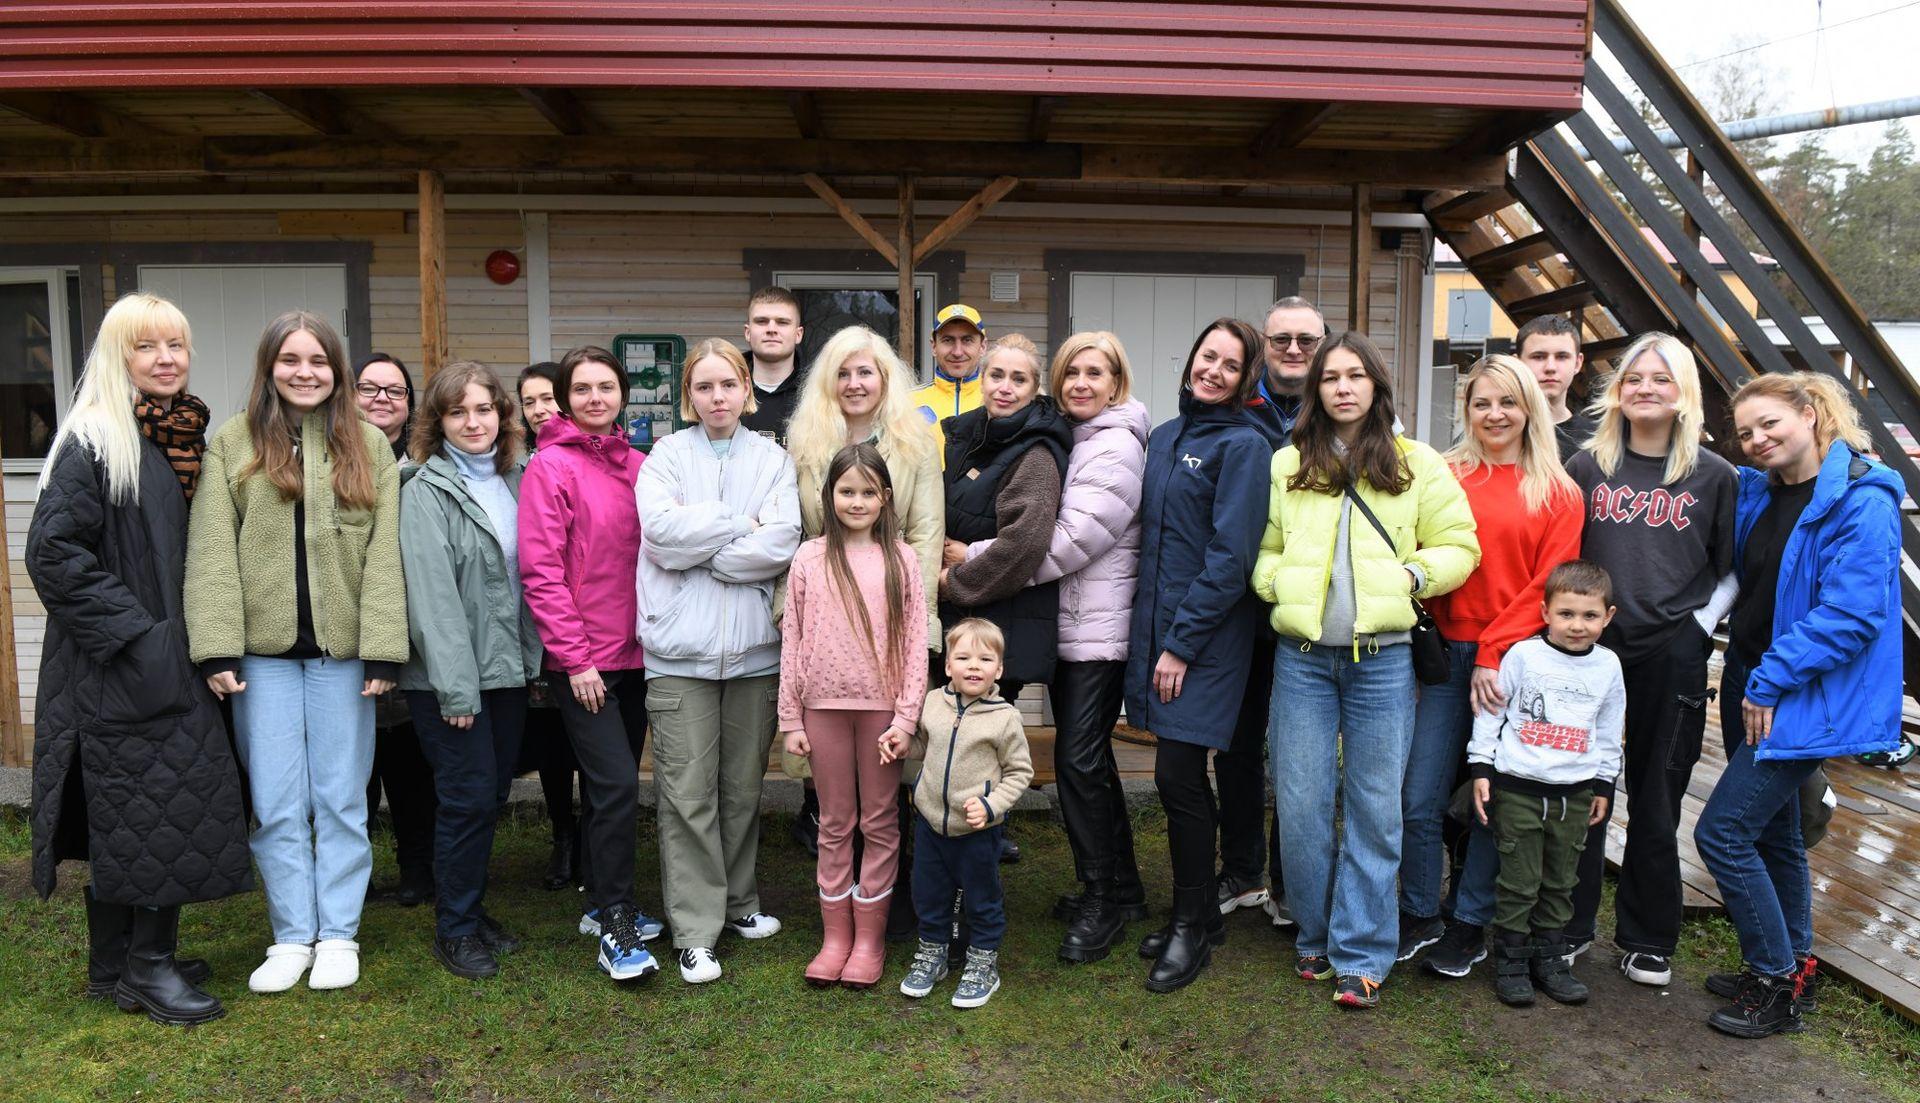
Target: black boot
[
  {"x": 1196, "y": 929},
  {"x": 151, "y": 981},
  {"x": 1512, "y": 981},
  {"x": 1096, "y": 928},
  {"x": 1765, "y": 1007},
  {"x": 1553, "y": 970},
  {"x": 416, "y": 886},
  {"x": 108, "y": 926},
  {"x": 559, "y": 863},
  {"x": 1129, "y": 895}
]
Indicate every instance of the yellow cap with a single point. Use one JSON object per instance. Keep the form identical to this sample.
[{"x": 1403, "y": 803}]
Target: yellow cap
[{"x": 959, "y": 312}]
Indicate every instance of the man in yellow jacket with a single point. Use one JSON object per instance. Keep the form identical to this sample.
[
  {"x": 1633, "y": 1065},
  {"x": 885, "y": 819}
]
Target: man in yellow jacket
[{"x": 958, "y": 340}]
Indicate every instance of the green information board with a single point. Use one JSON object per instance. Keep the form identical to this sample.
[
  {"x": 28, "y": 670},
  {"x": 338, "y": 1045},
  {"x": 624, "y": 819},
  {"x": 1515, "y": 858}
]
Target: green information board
[{"x": 652, "y": 362}]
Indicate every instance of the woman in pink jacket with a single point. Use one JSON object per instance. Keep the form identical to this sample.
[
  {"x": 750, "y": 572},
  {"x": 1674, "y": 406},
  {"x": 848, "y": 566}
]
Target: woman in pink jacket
[{"x": 579, "y": 548}]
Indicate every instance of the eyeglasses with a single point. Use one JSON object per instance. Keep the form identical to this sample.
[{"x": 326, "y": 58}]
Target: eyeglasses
[
  {"x": 395, "y": 393},
  {"x": 1278, "y": 342}
]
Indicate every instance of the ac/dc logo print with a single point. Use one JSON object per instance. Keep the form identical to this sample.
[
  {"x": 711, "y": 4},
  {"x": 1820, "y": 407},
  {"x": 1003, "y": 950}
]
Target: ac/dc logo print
[{"x": 1624, "y": 505}]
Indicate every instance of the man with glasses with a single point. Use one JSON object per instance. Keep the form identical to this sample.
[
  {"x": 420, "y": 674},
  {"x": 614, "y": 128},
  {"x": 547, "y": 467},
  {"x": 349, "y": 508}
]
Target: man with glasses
[{"x": 1294, "y": 329}]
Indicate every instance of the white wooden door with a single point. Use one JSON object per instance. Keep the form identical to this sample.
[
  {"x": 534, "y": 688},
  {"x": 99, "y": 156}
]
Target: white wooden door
[
  {"x": 229, "y": 305},
  {"x": 1157, "y": 318}
]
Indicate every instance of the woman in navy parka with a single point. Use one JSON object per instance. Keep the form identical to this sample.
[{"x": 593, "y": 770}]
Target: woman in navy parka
[
  {"x": 1812, "y": 670},
  {"x": 1202, "y": 512}
]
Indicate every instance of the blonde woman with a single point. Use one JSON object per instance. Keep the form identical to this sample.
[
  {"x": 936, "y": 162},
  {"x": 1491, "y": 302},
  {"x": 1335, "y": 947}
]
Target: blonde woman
[
  {"x": 1659, "y": 518},
  {"x": 106, "y": 551},
  {"x": 1526, "y": 515}
]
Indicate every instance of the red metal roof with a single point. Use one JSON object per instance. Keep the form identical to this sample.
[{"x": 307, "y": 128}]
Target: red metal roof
[{"x": 1512, "y": 54}]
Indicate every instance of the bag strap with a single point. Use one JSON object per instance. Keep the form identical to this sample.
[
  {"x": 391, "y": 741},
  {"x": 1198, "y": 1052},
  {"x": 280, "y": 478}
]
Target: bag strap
[{"x": 1361, "y": 505}]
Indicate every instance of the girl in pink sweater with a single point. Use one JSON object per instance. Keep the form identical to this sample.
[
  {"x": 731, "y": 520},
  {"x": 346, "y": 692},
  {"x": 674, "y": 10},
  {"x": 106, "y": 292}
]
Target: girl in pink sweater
[{"x": 853, "y": 669}]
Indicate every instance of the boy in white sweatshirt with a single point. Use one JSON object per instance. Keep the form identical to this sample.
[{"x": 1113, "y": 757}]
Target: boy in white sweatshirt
[{"x": 1543, "y": 771}]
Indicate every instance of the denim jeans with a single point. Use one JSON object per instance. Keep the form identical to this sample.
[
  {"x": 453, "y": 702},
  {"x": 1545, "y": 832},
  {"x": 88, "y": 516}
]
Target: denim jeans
[
  {"x": 1749, "y": 837},
  {"x": 1345, "y": 731},
  {"x": 472, "y": 773},
  {"x": 305, "y": 737},
  {"x": 1442, "y": 721},
  {"x": 1473, "y": 892}
]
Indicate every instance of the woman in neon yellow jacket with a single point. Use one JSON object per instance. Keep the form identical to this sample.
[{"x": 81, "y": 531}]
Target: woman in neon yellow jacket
[{"x": 1343, "y": 674}]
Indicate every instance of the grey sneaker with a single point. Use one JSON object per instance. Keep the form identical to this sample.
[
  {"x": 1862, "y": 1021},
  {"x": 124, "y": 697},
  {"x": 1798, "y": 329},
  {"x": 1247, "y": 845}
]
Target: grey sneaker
[
  {"x": 980, "y": 980},
  {"x": 928, "y": 969}
]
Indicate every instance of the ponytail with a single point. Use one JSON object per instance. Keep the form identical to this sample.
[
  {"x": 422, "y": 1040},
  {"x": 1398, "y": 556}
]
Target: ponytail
[{"x": 1835, "y": 415}]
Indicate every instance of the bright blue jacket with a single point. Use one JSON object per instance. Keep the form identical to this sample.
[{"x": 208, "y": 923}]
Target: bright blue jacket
[
  {"x": 1203, "y": 507},
  {"x": 1833, "y": 672}
]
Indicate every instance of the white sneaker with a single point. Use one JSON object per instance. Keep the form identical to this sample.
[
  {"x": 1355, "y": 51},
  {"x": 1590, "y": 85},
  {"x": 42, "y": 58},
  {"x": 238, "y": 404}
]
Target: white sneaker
[
  {"x": 285, "y": 963},
  {"x": 754, "y": 925},
  {"x": 698, "y": 965},
  {"x": 1277, "y": 913},
  {"x": 1648, "y": 969},
  {"x": 336, "y": 963}
]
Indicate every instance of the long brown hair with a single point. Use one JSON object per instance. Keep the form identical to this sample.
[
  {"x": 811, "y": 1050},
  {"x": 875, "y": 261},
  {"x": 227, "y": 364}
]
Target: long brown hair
[
  {"x": 866, "y": 459},
  {"x": 1374, "y": 457},
  {"x": 276, "y": 430},
  {"x": 447, "y": 389}
]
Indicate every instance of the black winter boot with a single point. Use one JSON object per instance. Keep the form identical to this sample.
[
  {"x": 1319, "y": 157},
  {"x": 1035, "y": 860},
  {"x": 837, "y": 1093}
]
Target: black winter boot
[
  {"x": 1099, "y": 925},
  {"x": 1129, "y": 895},
  {"x": 1553, "y": 970},
  {"x": 1511, "y": 979},
  {"x": 1765, "y": 1007},
  {"x": 108, "y": 926},
  {"x": 560, "y": 862},
  {"x": 1196, "y": 929},
  {"x": 151, "y": 980}
]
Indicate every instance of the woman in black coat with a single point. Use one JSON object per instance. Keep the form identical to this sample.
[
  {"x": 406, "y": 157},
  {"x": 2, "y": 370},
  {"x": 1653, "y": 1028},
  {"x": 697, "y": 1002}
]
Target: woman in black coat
[{"x": 132, "y": 768}]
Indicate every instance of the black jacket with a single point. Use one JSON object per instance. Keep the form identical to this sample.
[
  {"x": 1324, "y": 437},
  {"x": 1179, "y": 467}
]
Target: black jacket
[{"x": 132, "y": 767}]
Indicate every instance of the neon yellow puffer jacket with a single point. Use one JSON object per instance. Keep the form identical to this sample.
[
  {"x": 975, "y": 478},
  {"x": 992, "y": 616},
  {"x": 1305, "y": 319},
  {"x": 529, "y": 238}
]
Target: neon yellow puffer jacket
[{"x": 1431, "y": 523}]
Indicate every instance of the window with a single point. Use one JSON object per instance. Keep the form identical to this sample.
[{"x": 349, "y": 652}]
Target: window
[
  {"x": 39, "y": 354},
  {"x": 832, "y": 301}
]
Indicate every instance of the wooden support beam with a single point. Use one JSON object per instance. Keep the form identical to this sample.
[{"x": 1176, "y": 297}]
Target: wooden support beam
[
  {"x": 1040, "y": 117},
  {"x": 851, "y": 217},
  {"x": 1697, "y": 174},
  {"x": 964, "y": 216},
  {"x": 433, "y": 271},
  {"x": 322, "y": 112},
  {"x": 806, "y": 114},
  {"x": 1501, "y": 131},
  {"x": 1360, "y": 259},
  {"x": 1338, "y": 167},
  {"x": 904, "y": 251},
  {"x": 15, "y": 743},
  {"x": 70, "y": 112},
  {"x": 563, "y": 111},
  {"x": 1295, "y": 124}
]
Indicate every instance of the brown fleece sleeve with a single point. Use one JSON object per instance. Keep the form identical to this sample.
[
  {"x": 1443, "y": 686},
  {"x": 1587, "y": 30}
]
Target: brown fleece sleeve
[{"x": 1028, "y": 503}]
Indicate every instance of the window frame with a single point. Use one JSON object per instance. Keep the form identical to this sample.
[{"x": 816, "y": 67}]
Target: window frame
[{"x": 66, "y": 366}]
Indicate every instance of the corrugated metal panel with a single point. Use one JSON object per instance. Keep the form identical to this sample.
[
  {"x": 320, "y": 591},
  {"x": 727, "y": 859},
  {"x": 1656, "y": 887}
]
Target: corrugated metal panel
[{"x": 1517, "y": 54}]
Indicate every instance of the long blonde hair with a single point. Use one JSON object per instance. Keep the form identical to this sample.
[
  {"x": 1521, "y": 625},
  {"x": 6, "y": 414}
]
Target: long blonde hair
[
  {"x": 819, "y": 430},
  {"x": 1609, "y": 443},
  {"x": 1542, "y": 478},
  {"x": 102, "y": 419},
  {"x": 1835, "y": 417}
]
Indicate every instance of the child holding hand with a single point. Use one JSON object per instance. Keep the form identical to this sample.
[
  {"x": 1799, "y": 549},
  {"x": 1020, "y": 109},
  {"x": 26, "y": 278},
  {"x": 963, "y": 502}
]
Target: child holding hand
[
  {"x": 1543, "y": 772},
  {"x": 977, "y": 765}
]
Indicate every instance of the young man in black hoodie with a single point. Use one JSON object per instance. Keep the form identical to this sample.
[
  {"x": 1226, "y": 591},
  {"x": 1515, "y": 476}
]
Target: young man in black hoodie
[{"x": 773, "y": 333}]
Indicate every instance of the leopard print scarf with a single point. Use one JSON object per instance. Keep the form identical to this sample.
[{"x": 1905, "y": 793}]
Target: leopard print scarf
[{"x": 181, "y": 430}]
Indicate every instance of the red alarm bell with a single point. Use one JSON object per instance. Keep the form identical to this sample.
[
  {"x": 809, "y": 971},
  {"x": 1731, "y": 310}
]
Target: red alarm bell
[{"x": 502, "y": 266}]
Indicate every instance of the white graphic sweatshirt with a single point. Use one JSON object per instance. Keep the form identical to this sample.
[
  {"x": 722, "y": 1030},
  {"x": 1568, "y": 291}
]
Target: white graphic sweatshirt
[{"x": 1563, "y": 726}]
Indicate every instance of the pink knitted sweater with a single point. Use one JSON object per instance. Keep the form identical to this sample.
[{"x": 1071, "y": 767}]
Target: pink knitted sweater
[{"x": 824, "y": 662}]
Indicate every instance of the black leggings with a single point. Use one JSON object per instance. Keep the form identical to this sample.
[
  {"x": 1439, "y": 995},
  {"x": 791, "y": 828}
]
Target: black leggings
[{"x": 1180, "y": 773}]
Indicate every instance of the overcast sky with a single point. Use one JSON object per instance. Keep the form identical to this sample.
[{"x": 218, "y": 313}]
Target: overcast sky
[{"x": 1864, "y": 53}]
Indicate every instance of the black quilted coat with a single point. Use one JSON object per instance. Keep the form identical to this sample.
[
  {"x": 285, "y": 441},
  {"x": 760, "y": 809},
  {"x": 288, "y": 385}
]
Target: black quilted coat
[{"x": 132, "y": 769}]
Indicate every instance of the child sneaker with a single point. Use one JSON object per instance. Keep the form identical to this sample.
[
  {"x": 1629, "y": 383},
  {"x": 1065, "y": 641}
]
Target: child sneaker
[
  {"x": 929, "y": 968},
  {"x": 649, "y": 927},
  {"x": 754, "y": 925},
  {"x": 622, "y": 956},
  {"x": 698, "y": 965},
  {"x": 980, "y": 980}
]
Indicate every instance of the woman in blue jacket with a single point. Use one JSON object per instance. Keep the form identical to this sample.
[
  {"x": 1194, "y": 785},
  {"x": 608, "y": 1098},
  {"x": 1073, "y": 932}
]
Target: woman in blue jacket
[
  {"x": 1201, "y": 511},
  {"x": 1812, "y": 670}
]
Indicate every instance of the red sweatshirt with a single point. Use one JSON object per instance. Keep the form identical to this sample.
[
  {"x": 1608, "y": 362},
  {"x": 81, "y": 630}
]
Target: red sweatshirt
[{"x": 1500, "y": 603}]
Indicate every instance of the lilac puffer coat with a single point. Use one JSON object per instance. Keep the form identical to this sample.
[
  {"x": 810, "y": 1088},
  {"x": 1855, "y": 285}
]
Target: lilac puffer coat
[{"x": 1095, "y": 552}]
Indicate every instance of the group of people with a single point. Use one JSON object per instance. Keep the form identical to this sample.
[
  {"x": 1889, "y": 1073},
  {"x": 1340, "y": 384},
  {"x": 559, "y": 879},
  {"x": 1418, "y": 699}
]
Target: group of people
[{"x": 1518, "y": 628}]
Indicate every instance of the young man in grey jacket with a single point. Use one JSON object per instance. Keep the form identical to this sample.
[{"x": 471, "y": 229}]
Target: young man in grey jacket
[{"x": 1543, "y": 768}]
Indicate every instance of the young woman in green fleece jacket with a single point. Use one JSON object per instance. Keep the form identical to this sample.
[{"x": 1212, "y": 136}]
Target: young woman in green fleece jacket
[
  {"x": 474, "y": 644},
  {"x": 297, "y": 611}
]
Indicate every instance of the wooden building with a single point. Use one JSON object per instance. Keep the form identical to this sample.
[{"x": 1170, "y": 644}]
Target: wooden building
[{"x": 1061, "y": 165}]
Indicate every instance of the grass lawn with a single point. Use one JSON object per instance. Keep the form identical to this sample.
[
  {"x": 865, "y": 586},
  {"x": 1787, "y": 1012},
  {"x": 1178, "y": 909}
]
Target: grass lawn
[{"x": 552, "y": 1027}]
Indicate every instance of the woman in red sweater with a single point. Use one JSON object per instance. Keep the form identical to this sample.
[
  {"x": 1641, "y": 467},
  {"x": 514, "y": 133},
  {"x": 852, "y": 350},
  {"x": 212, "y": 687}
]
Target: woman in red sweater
[{"x": 1527, "y": 512}]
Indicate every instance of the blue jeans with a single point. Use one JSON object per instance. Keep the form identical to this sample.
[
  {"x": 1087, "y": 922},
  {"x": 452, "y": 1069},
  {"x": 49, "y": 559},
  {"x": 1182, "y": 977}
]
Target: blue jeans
[
  {"x": 1749, "y": 837},
  {"x": 472, "y": 773},
  {"x": 1442, "y": 721},
  {"x": 1473, "y": 891},
  {"x": 1359, "y": 713},
  {"x": 305, "y": 737}
]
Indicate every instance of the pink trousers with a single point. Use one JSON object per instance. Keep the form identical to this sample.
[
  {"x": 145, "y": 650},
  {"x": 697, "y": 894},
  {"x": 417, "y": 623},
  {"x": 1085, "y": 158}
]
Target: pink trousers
[{"x": 855, "y": 790}]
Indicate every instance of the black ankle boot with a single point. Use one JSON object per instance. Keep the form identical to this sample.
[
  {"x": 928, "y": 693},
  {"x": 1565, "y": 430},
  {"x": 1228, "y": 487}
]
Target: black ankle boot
[
  {"x": 108, "y": 927},
  {"x": 1765, "y": 1007},
  {"x": 1129, "y": 895},
  {"x": 559, "y": 863},
  {"x": 416, "y": 886},
  {"x": 1098, "y": 925},
  {"x": 151, "y": 980},
  {"x": 806, "y": 824},
  {"x": 1195, "y": 931},
  {"x": 1552, "y": 970},
  {"x": 1512, "y": 980}
]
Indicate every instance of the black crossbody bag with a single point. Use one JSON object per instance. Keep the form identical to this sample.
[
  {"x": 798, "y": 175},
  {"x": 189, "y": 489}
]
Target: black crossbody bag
[{"x": 1432, "y": 664}]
